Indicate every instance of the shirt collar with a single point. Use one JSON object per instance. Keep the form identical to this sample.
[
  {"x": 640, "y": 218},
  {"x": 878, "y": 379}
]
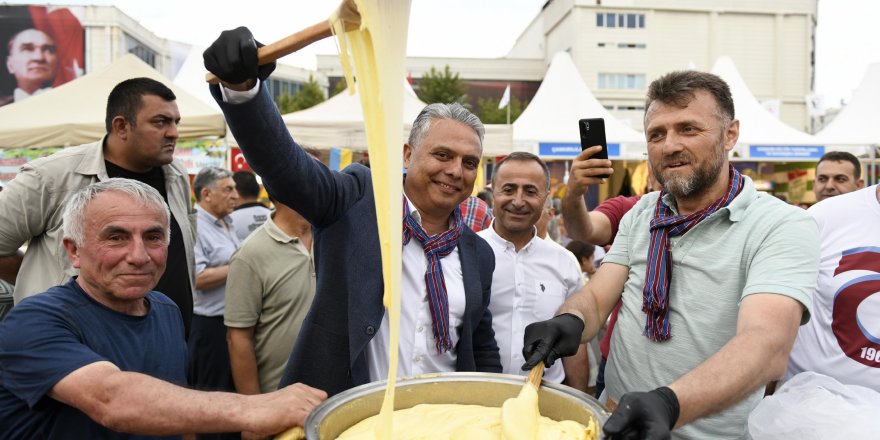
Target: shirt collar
[
  {"x": 276, "y": 233},
  {"x": 210, "y": 217},
  {"x": 736, "y": 208},
  {"x": 493, "y": 235},
  {"x": 21, "y": 95}
]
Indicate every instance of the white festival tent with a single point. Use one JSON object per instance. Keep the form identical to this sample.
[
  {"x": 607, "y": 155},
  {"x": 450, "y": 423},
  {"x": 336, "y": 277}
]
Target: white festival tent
[
  {"x": 858, "y": 123},
  {"x": 548, "y": 126},
  {"x": 339, "y": 122},
  {"x": 762, "y": 136},
  {"x": 74, "y": 113},
  {"x": 191, "y": 77}
]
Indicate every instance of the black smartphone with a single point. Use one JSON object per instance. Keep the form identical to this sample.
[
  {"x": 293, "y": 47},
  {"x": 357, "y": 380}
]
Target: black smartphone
[{"x": 593, "y": 133}]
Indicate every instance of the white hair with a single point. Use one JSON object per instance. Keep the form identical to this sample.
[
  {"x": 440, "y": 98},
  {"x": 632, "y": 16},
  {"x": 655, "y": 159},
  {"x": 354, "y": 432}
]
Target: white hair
[{"x": 74, "y": 217}]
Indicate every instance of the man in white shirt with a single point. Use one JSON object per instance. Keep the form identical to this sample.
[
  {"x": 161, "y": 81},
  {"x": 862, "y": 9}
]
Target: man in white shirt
[
  {"x": 532, "y": 277},
  {"x": 445, "y": 324},
  {"x": 841, "y": 338}
]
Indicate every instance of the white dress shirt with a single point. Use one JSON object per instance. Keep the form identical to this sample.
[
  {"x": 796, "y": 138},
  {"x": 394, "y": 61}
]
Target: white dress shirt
[
  {"x": 417, "y": 350},
  {"x": 527, "y": 286}
]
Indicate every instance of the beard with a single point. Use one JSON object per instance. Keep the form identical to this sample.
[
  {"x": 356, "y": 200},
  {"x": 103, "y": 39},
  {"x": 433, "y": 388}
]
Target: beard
[{"x": 698, "y": 182}]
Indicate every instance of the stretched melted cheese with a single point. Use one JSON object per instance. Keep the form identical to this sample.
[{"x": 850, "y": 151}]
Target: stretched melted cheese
[
  {"x": 378, "y": 49},
  {"x": 463, "y": 422}
]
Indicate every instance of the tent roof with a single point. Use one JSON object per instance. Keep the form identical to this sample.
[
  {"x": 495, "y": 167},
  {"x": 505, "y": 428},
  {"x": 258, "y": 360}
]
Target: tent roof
[
  {"x": 562, "y": 99},
  {"x": 757, "y": 125},
  {"x": 345, "y": 108},
  {"x": 339, "y": 122},
  {"x": 74, "y": 113},
  {"x": 191, "y": 77},
  {"x": 857, "y": 123}
]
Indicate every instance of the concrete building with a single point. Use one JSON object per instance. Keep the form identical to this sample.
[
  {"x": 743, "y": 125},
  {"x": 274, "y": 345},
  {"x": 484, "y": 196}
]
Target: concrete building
[
  {"x": 620, "y": 46},
  {"x": 110, "y": 34}
]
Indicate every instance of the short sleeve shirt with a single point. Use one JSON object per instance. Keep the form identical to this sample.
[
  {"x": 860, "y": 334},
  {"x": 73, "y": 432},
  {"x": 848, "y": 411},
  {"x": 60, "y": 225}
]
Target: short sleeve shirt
[
  {"x": 757, "y": 244},
  {"x": 48, "y": 336}
]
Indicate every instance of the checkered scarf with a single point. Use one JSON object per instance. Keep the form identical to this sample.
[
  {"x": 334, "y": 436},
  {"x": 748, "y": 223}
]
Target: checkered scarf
[
  {"x": 435, "y": 248},
  {"x": 659, "y": 273}
]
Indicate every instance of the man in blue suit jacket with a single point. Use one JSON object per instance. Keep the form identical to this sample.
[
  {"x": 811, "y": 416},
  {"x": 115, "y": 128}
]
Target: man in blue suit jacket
[{"x": 447, "y": 325}]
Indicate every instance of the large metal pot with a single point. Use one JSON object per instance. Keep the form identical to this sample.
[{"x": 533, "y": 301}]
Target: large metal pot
[{"x": 345, "y": 409}]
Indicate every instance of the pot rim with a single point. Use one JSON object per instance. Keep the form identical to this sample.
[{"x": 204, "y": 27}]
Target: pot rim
[{"x": 313, "y": 422}]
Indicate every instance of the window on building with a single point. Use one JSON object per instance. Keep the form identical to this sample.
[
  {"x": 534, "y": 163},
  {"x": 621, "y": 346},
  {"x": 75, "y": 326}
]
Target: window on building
[
  {"x": 278, "y": 87},
  {"x": 610, "y": 20},
  {"x": 608, "y": 107},
  {"x": 600, "y": 44},
  {"x": 631, "y": 45},
  {"x": 138, "y": 49},
  {"x": 615, "y": 20},
  {"x": 628, "y": 81},
  {"x": 631, "y": 107}
]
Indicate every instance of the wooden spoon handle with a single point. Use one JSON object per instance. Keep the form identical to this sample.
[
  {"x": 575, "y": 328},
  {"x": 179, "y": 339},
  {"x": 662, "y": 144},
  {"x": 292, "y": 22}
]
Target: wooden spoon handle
[
  {"x": 287, "y": 45},
  {"x": 536, "y": 375}
]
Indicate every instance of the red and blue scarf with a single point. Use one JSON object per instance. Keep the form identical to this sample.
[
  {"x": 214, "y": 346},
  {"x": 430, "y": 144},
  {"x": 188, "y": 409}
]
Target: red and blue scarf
[
  {"x": 659, "y": 272},
  {"x": 435, "y": 248}
]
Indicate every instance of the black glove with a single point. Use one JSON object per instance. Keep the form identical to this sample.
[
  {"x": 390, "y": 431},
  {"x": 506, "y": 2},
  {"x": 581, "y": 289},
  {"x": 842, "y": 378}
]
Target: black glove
[
  {"x": 650, "y": 416},
  {"x": 233, "y": 57},
  {"x": 551, "y": 339}
]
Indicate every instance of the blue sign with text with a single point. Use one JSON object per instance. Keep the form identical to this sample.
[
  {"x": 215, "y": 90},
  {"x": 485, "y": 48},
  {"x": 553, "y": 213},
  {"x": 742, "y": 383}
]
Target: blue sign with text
[
  {"x": 570, "y": 149},
  {"x": 786, "y": 151}
]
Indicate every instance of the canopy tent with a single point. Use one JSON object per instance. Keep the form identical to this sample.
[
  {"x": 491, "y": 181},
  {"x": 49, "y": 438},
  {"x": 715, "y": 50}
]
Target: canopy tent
[
  {"x": 548, "y": 126},
  {"x": 859, "y": 122},
  {"x": 191, "y": 77},
  {"x": 762, "y": 136},
  {"x": 339, "y": 122},
  {"x": 74, "y": 113}
]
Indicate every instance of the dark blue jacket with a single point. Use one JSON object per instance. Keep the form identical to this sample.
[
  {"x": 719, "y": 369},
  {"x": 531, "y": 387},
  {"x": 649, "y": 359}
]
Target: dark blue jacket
[{"x": 347, "y": 311}]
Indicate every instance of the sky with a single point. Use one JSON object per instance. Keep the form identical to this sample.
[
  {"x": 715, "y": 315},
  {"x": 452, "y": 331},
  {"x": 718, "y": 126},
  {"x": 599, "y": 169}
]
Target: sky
[{"x": 846, "y": 37}]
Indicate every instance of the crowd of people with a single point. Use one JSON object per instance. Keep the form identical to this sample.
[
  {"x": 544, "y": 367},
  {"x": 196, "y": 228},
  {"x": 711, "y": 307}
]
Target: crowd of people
[{"x": 140, "y": 314}]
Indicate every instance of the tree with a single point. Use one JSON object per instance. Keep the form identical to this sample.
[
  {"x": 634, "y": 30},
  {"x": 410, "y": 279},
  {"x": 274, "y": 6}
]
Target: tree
[
  {"x": 341, "y": 85},
  {"x": 444, "y": 87},
  {"x": 306, "y": 97},
  {"x": 489, "y": 112}
]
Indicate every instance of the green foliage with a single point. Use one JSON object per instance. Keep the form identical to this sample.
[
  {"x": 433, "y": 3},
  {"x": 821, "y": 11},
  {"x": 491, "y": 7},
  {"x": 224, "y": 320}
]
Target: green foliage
[
  {"x": 308, "y": 96},
  {"x": 445, "y": 87},
  {"x": 340, "y": 87},
  {"x": 489, "y": 112}
]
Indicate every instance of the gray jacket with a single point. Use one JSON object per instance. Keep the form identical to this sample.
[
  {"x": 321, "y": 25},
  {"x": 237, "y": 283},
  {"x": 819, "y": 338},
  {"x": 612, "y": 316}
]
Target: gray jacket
[{"x": 32, "y": 204}]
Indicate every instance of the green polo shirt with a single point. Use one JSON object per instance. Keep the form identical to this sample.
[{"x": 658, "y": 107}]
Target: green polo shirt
[
  {"x": 270, "y": 286},
  {"x": 757, "y": 244}
]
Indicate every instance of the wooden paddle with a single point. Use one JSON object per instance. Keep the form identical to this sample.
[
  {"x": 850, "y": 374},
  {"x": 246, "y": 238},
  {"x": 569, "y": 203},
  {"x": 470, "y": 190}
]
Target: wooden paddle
[
  {"x": 520, "y": 415},
  {"x": 536, "y": 375},
  {"x": 347, "y": 12}
]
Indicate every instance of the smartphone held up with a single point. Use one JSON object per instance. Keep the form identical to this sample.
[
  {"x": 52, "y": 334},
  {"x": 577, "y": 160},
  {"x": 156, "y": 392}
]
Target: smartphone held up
[{"x": 592, "y": 134}]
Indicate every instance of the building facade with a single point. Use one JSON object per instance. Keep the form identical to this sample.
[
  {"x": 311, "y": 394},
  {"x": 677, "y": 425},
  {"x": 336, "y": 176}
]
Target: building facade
[{"x": 620, "y": 46}]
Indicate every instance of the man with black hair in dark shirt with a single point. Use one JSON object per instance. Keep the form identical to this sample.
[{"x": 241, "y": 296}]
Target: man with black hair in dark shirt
[{"x": 142, "y": 129}]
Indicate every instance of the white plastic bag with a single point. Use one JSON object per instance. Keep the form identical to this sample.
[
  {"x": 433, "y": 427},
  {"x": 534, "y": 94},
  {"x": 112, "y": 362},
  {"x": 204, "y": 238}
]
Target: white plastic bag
[{"x": 815, "y": 406}]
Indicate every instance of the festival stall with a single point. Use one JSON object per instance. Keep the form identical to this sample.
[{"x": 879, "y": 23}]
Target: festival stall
[
  {"x": 780, "y": 159},
  {"x": 856, "y": 127},
  {"x": 339, "y": 123},
  {"x": 548, "y": 126}
]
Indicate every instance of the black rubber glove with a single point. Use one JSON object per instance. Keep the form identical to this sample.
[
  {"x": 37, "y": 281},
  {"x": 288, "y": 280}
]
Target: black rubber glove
[
  {"x": 551, "y": 339},
  {"x": 233, "y": 57},
  {"x": 650, "y": 416}
]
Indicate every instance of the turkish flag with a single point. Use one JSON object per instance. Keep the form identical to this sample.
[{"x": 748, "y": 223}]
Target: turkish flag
[{"x": 238, "y": 161}]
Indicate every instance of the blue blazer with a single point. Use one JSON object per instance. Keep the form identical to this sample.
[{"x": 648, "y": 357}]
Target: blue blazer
[{"x": 347, "y": 310}]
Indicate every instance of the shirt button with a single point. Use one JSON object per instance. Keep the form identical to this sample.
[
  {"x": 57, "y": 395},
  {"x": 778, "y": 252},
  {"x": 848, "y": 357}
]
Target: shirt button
[
  {"x": 417, "y": 359},
  {"x": 421, "y": 329},
  {"x": 371, "y": 330}
]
